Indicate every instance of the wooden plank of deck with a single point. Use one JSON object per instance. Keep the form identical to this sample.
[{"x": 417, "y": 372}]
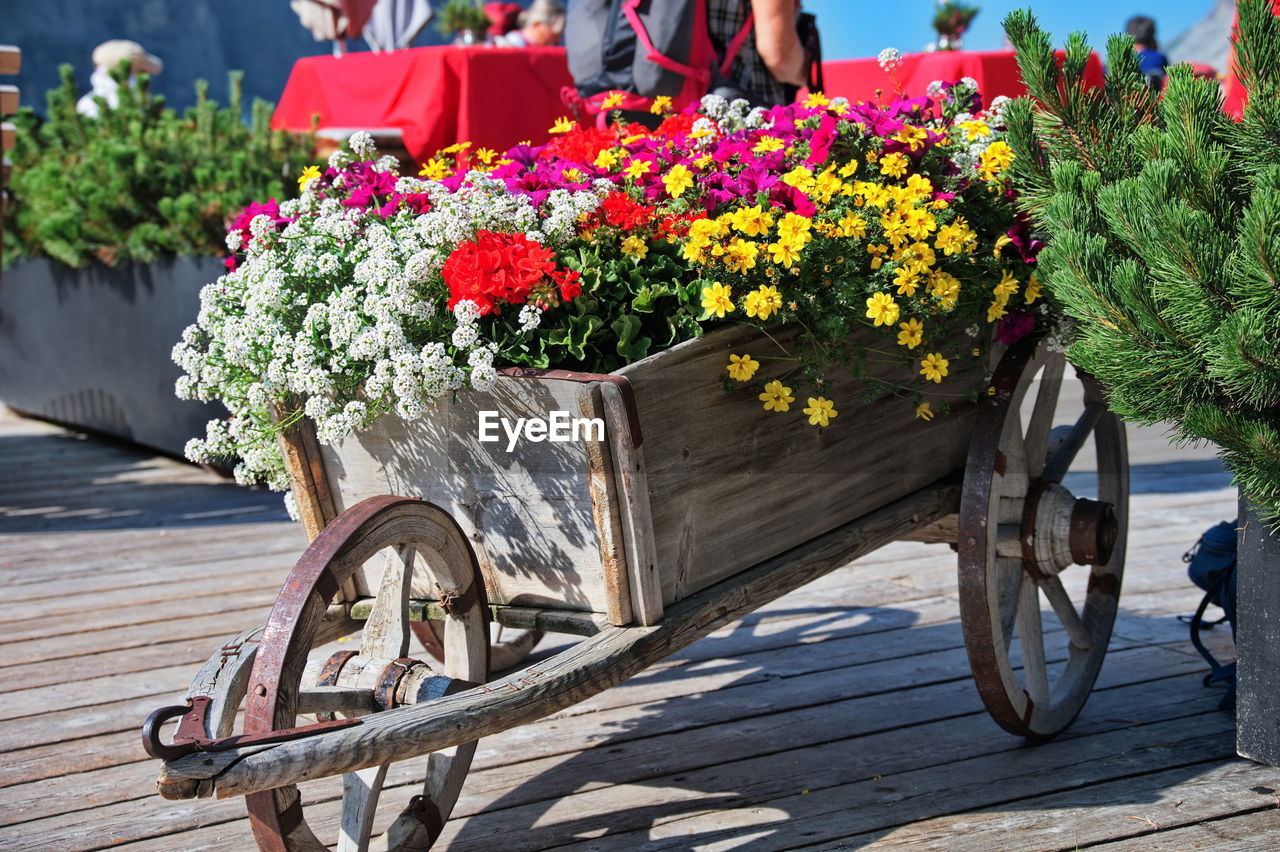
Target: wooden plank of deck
[{"x": 841, "y": 716}]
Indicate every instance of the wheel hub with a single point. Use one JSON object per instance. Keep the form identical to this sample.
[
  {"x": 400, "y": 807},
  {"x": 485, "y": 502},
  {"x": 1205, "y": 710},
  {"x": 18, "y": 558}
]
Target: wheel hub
[{"x": 1060, "y": 530}]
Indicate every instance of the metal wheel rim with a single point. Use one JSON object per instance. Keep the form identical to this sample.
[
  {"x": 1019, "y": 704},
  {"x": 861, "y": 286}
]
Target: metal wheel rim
[{"x": 374, "y": 525}]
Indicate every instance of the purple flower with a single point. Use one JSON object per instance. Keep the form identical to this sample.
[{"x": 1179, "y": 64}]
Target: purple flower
[
  {"x": 788, "y": 197},
  {"x": 1014, "y": 326}
]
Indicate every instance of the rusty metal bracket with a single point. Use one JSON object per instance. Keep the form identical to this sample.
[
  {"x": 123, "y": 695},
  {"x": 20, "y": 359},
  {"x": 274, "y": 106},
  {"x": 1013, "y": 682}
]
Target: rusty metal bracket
[{"x": 189, "y": 737}]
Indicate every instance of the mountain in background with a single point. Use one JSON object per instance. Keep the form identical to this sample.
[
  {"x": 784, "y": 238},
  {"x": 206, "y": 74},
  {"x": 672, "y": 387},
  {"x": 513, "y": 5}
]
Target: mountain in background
[
  {"x": 1208, "y": 40},
  {"x": 195, "y": 39}
]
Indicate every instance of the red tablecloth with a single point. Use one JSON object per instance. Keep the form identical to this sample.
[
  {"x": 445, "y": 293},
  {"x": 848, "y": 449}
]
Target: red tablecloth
[
  {"x": 996, "y": 73},
  {"x": 493, "y": 97}
]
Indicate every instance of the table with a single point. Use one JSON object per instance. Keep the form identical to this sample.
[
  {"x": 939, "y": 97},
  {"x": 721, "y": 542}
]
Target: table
[
  {"x": 492, "y": 97},
  {"x": 996, "y": 73}
]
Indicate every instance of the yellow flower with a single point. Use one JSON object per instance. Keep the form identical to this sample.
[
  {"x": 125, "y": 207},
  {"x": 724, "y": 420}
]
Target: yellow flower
[
  {"x": 853, "y": 225},
  {"x": 877, "y": 255},
  {"x": 913, "y": 137},
  {"x": 1007, "y": 287},
  {"x": 434, "y": 169},
  {"x": 816, "y": 99},
  {"x": 794, "y": 225},
  {"x": 934, "y": 367},
  {"x": 606, "y": 159},
  {"x": 740, "y": 255},
  {"x": 912, "y": 333},
  {"x": 994, "y": 160},
  {"x": 904, "y": 279},
  {"x": 924, "y": 411},
  {"x": 849, "y": 168},
  {"x": 995, "y": 311},
  {"x": 1001, "y": 241},
  {"x": 309, "y": 174},
  {"x": 821, "y": 411},
  {"x": 767, "y": 144},
  {"x": 801, "y": 177},
  {"x": 635, "y": 247},
  {"x": 704, "y": 161},
  {"x": 718, "y": 300},
  {"x": 975, "y": 129},
  {"x": 612, "y": 99},
  {"x": 882, "y": 308},
  {"x": 954, "y": 238},
  {"x": 777, "y": 397},
  {"x": 563, "y": 125},
  {"x": 1034, "y": 289},
  {"x": 573, "y": 175},
  {"x": 661, "y": 104},
  {"x": 894, "y": 165},
  {"x": 677, "y": 180},
  {"x": 456, "y": 148},
  {"x": 784, "y": 252},
  {"x": 742, "y": 367},
  {"x": 637, "y": 169},
  {"x": 920, "y": 186},
  {"x": 752, "y": 221},
  {"x": 764, "y": 302},
  {"x": 695, "y": 252},
  {"x": 486, "y": 155}
]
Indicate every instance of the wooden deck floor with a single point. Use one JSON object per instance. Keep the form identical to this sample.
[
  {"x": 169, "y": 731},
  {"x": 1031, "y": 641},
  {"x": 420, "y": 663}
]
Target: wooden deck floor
[{"x": 839, "y": 717}]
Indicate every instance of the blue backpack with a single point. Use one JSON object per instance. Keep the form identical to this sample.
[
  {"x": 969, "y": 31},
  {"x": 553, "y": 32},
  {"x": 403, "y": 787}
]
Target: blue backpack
[{"x": 1211, "y": 565}]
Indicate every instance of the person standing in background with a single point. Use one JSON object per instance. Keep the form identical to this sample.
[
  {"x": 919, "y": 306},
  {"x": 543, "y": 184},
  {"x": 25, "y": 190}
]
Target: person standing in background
[
  {"x": 770, "y": 65},
  {"x": 1152, "y": 62},
  {"x": 106, "y": 57},
  {"x": 541, "y": 25}
]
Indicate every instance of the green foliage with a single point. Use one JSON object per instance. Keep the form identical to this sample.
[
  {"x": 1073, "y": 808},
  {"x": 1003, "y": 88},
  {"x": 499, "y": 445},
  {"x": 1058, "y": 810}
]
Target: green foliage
[
  {"x": 140, "y": 181},
  {"x": 1163, "y": 219},
  {"x": 952, "y": 19},
  {"x": 461, "y": 15}
]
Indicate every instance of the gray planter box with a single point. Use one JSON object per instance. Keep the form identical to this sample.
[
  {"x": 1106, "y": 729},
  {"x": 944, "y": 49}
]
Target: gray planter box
[
  {"x": 90, "y": 348},
  {"x": 1257, "y": 641}
]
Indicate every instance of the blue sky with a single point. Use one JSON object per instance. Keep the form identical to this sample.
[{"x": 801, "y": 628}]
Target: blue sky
[{"x": 853, "y": 28}]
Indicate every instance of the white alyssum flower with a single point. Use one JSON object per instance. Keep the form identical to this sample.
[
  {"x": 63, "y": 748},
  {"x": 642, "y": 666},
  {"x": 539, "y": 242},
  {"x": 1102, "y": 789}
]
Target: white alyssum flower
[
  {"x": 889, "y": 58},
  {"x": 346, "y": 311},
  {"x": 361, "y": 145}
]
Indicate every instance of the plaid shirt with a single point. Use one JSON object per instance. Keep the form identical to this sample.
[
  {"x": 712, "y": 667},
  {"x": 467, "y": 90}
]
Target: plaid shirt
[{"x": 725, "y": 19}]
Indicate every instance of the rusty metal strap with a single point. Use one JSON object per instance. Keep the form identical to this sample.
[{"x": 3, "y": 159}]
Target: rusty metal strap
[
  {"x": 620, "y": 382},
  {"x": 190, "y": 737}
]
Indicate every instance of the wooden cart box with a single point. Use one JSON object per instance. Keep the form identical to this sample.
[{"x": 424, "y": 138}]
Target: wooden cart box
[{"x": 688, "y": 487}]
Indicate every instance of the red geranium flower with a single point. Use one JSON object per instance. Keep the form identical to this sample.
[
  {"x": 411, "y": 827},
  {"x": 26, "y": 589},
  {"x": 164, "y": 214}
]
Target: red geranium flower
[
  {"x": 622, "y": 211},
  {"x": 495, "y": 268}
]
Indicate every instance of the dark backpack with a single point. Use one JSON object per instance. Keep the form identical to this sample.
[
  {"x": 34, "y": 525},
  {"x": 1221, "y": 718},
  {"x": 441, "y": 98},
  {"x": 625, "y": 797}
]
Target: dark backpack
[
  {"x": 1211, "y": 565},
  {"x": 644, "y": 48}
]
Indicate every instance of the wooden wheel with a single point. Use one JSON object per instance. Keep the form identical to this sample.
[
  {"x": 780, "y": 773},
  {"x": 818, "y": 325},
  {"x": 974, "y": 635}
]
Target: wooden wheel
[
  {"x": 504, "y": 653},
  {"x": 425, "y": 550},
  {"x": 1025, "y": 538}
]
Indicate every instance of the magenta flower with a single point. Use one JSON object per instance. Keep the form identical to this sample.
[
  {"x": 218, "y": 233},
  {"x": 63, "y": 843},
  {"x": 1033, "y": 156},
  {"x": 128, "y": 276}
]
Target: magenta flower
[{"x": 1014, "y": 326}]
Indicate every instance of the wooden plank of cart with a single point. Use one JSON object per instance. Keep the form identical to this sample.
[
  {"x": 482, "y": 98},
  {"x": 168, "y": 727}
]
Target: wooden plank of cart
[{"x": 692, "y": 508}]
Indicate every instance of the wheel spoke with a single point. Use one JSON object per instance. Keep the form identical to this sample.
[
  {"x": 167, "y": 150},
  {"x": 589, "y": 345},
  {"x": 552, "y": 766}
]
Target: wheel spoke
[
  {"x": 1066, "y": 453},
  {"x": 1031, "y": 640},
  {"x": 360, "y": 792},
  {"x": 1009, "y": 584},
  {"x": 386, "y": 633},
  {"x": 350, "y": 701},
  {"x": 1041, "y": 422},
  {"x": 1066, "y": 612}
]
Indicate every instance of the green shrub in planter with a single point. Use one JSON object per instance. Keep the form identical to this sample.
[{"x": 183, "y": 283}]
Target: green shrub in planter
[
  {"x": 1162, "y": 216},
  {"x": 141, "y": 182}
]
